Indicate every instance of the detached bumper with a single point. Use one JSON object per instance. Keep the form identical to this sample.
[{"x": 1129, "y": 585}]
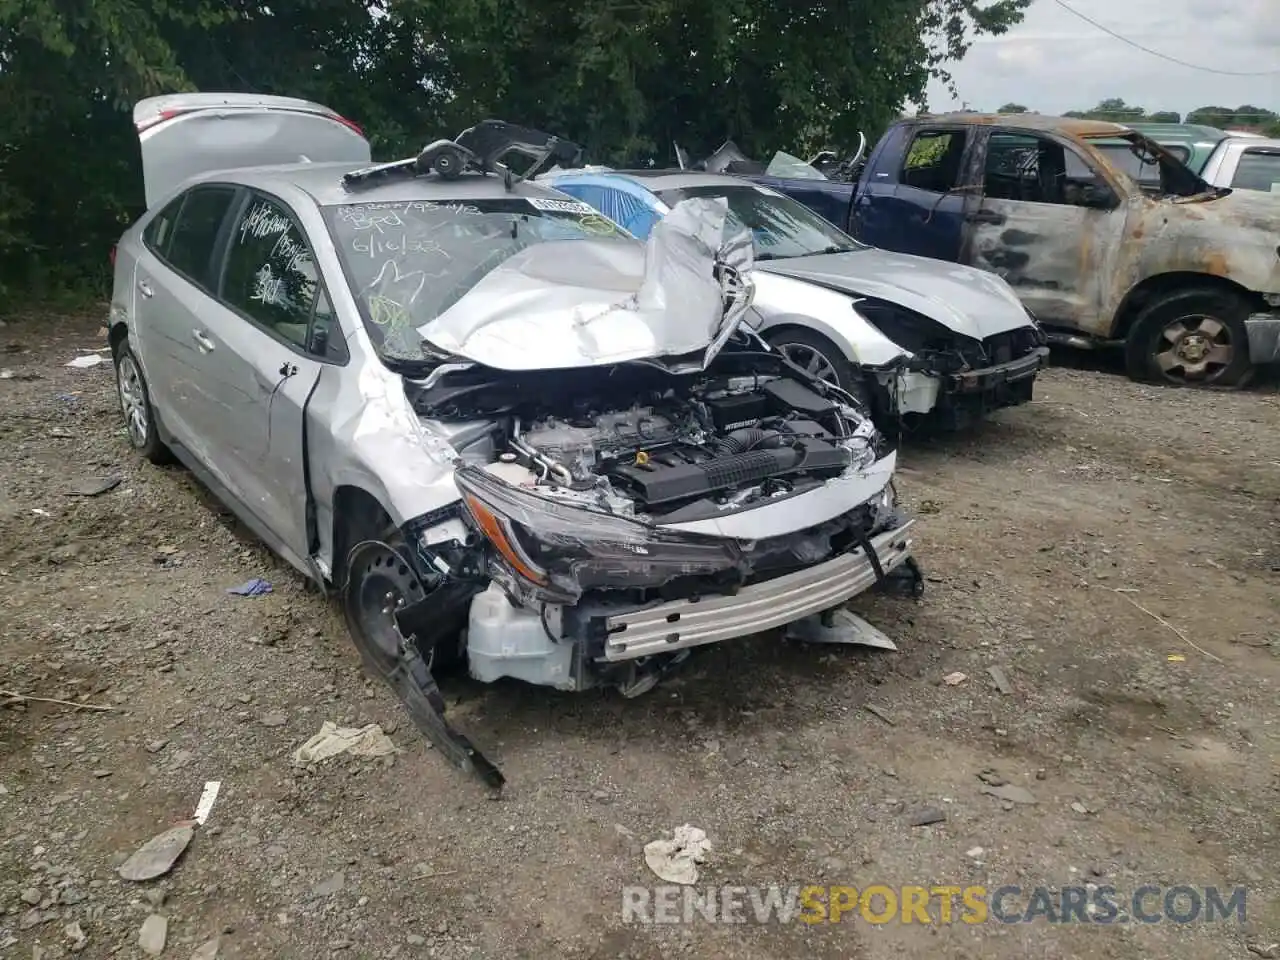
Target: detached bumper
[
  {"x": 1264, "y": 337},
  {"x": 762, "y": 606}
]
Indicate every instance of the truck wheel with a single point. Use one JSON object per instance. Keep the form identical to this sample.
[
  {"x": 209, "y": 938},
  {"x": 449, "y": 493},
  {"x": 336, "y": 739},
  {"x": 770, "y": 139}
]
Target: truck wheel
[
  {"x": 822, "y": 358},
  {"x": 1192, "y": 338}
]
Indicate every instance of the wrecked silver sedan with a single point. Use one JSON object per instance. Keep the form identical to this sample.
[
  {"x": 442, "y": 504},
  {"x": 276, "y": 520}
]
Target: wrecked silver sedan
[{"x": 501, "y": 431}]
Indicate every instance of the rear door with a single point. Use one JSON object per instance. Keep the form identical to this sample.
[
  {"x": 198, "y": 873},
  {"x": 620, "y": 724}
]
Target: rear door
[
  {"x": 920, "y": 206},
  {"x": 173, "y": 284},
  {"x": 186, "y": 134},
  {"x": 274, "y": 332}
]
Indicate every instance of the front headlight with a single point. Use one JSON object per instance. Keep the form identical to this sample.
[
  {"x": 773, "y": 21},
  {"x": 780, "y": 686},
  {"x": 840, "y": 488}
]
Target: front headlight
[{"x": 559, "y": 551}]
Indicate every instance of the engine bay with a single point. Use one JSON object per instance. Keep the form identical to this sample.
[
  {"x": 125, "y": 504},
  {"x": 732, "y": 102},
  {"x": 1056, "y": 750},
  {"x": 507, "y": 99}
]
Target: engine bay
[{"x": 647, "y": 444}]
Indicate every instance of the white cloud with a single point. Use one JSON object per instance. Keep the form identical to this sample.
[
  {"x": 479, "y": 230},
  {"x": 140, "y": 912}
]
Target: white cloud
[{"x": 1053, "y": 61}]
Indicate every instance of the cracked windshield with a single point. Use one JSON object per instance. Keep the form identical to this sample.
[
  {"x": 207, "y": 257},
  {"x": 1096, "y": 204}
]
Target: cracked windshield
[{"x": 408, "y": 262}]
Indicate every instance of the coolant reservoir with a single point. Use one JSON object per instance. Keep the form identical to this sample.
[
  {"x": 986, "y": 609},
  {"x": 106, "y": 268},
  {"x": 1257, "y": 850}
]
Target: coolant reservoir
[{"x": 512, "y": 473}]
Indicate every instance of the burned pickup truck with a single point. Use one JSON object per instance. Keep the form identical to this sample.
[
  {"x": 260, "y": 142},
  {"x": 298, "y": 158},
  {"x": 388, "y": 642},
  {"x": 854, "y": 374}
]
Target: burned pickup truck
[{"x": 1184, "y": 276}]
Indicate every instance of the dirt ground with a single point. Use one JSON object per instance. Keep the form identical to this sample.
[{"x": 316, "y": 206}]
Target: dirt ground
[{"x": 1152, "y": 757}]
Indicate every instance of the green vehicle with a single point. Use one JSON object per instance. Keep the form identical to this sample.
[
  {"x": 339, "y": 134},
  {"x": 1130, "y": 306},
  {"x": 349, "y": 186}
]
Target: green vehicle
[{"x": 1192, "y": 143}]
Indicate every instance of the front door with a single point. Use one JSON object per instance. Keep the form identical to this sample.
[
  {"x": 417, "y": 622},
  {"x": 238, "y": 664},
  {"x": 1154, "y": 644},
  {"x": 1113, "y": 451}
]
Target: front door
[
  {"x": 266, "y": 328},
  {"x": 1050, "y": 225}
]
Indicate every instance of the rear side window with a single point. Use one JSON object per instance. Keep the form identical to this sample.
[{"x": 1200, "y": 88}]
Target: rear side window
[
  {"x": 933, "y": 160},
  {"x": 195, "y": 233},
  {"x": 1258, "y": 170},
  {"x": 270, "y": 274},
  {"x": 160, "y": 230}
]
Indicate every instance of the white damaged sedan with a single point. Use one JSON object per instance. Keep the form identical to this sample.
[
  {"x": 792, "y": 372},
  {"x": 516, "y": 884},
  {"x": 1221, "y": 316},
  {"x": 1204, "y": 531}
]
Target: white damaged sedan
[{"x": 500, "y": 431}]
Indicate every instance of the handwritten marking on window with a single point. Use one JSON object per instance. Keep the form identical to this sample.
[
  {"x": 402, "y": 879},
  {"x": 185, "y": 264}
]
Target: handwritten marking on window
[
  {"x": 263, "y": 221},
  {"x": 268, "y": 289}
]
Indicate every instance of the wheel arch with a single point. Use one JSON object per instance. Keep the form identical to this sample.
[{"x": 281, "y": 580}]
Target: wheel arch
[
  {"x": 1146, "y": 292},
  {"x": 357, "y": 515}
]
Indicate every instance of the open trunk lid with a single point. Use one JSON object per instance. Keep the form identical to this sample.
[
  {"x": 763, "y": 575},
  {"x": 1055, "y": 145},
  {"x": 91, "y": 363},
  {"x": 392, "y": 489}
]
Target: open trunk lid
[{"x": 185, "y": 134}]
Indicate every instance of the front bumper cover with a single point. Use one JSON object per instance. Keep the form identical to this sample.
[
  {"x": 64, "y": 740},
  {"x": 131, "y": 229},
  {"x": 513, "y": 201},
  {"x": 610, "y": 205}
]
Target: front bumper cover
[
  {"x": 679, "y": 624},
  {"x": 993, "y": 378}
]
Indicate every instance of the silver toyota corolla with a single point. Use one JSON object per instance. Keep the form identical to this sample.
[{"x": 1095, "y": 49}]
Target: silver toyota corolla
[{"x": 503, "y": 431}]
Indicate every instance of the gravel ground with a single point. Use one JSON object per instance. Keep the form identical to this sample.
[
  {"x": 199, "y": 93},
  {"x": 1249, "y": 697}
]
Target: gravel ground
[{"x": 1149, "y": 747}]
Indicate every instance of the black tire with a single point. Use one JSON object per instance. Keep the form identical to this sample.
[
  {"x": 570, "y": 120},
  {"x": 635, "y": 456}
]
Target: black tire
[
  {"x": 135, "y": 406},
  {"x": 796, "y": 344},
  {"x": 1186, "y": 328}
]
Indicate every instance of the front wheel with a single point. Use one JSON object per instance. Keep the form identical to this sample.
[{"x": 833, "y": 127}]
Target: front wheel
[
  {"x": 1194, "y": 338},
  {"x": 820, "y": 357}
]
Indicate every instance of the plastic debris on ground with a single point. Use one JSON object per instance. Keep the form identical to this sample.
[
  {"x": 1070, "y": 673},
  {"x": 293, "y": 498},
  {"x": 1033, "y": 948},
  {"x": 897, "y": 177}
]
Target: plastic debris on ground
[
  {"x": 93, "y": 486},
  {"x": 676, "y": 860},
  {"x": 844, "y": 626},
  {"x": 332, "y": 740},
  {"x": 86, "y": 361},
  {"x": 207, "y": 799},
  {"x": 157, "y": 856},
  {"x": 251, "y": 588}
]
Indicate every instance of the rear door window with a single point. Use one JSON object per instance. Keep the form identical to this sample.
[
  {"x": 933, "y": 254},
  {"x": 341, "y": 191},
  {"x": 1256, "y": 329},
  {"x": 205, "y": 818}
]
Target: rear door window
[
  {"x": 195, "y": 233},
  {"x": 270, "y": 275},
  {"x": 1258, "y": 170},
  {"x": 159, "y": 231},
  {"x": 933, "y": 160}
]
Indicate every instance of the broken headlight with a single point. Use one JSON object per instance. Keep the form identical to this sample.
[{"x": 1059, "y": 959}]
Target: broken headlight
[{"x": 558, "y": 551}]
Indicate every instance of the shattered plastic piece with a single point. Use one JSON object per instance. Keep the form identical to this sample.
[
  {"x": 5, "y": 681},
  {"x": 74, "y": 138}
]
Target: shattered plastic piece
[
  {"x": 251, "y": 588},
  {"x": 676, "y": 860},
  {"x": 86, "y": 361},
  {"x": 845, "y": 627},
  {"x": 332, "y": 740},
  {"x": 157, "y": 856},
  {"x": 207, "y": 799},
  {"x": 955, "y": 679},
  {"x": 1176, "y": 658},
  {"x": 93, "y": 486},
  {"x": 1011, "y": 792}
]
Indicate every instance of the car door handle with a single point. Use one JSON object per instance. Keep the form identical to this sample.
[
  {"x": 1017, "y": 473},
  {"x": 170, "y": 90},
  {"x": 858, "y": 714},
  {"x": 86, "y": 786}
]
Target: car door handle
[
  {"x": 202, "y": 341},
  {"x": 144, "y": 288},
  {"x": 986, "y": 216}
]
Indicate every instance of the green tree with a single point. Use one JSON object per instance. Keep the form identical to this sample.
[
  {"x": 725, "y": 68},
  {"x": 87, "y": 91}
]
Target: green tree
[
  {"x": 1013, "y": 108},
  {"x": 1165, "y": 116}
]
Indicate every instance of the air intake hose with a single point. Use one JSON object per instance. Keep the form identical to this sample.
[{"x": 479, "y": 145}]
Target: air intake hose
[{"x": 748, "y": 438}]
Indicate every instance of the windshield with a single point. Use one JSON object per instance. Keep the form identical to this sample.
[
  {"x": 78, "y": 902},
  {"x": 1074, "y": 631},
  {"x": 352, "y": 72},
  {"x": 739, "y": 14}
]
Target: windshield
[
  {"x": 409, "y": 262},
  {"x": 780, "y": 227}
]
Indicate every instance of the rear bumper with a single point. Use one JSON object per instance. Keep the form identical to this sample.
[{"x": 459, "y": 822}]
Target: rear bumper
[
  {"x": 1264, "y": 337},
  {"x": 679, "y": 624}
]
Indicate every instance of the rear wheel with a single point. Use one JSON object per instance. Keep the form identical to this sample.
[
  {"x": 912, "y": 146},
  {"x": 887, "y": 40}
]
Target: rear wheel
[
  {"x": 1193, "y": 338},
  {"x": 135, "y": 405}
]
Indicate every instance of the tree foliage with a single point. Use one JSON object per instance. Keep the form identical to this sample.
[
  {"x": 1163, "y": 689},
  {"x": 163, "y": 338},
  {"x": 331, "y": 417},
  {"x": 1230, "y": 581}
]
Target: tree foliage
[{"x": 623, "y": 77}]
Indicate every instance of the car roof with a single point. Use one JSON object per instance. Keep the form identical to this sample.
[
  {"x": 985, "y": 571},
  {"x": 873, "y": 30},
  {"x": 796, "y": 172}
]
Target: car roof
[
  {"x": 323, "y": 182},
  {"x": 656, "y": 181},
  {"x": 1070, "y": 126}
]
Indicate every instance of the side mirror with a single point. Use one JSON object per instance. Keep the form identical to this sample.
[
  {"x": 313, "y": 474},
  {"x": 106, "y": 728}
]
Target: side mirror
[{"x": 1096, "y": 197}]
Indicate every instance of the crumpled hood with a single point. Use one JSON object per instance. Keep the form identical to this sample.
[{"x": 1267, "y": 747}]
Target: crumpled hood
[
  {"x": 580, "y": 303},
  {"x": 969, "y": 301}
]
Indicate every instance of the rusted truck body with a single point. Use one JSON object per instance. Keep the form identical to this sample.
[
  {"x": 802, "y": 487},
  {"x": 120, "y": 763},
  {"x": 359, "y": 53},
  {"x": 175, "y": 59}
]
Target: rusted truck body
[{"x": 1185, "y": 276}]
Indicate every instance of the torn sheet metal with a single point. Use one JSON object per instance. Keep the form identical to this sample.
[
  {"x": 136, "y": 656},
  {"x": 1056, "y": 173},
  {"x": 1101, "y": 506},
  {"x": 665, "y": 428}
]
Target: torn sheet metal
[{"x": 578, "y": 303}]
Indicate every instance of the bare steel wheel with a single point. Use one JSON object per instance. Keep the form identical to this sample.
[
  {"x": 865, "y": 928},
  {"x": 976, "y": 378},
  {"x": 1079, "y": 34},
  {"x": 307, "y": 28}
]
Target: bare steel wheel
[
  {"x": 1192, "y": 338},
  {"x": 379, "y": 582}
]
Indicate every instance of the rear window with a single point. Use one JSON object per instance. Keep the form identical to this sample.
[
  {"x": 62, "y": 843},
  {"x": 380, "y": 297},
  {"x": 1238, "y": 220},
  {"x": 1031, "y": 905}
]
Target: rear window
[
  {"x": 190, "y": 248},
  {"x": 1258, "y": 170}
]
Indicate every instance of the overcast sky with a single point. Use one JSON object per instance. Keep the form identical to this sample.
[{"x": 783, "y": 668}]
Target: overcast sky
[{"x": 1053, "y": 61}]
